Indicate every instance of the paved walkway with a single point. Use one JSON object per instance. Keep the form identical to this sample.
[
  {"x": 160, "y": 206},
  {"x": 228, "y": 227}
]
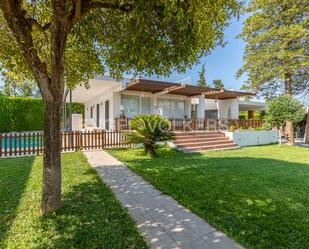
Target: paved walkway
[{"x": 163, "y": 222}]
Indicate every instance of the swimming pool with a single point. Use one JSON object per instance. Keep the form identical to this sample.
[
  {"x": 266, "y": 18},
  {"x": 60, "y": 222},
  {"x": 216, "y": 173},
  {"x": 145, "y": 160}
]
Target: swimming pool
[{"x": 20, "y": 141}]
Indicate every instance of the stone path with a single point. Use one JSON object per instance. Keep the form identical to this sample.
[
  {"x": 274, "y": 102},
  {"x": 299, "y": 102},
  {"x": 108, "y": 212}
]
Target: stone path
[{"x": 163, "y": 222}]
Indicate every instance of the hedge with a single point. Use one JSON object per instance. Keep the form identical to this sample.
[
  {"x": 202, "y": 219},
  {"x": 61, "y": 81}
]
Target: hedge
[{"x": 25, "y": 114}]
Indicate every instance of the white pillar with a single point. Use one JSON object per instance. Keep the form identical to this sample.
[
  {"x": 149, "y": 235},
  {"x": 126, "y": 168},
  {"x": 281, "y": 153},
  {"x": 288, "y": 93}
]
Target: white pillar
[{"x": 201, "y": 106}]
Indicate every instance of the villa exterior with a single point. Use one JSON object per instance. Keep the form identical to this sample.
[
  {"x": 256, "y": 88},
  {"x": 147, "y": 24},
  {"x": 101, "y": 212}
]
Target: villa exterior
[{"x": 107, "y": 101}]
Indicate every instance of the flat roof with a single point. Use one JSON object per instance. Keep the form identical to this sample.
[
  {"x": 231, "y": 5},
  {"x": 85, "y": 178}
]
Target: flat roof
[{"x": 154, "y": 87}]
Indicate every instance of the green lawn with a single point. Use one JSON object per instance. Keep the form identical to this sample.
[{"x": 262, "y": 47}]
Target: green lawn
[
  {"x": 259, "y": 195},
  {"x": 90, "y": 216}
]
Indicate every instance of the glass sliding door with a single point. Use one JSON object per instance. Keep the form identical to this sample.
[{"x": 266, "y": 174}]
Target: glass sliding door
[
  {"x": 178, "y": 109},
  {"x": 164, "y": 107},
  {"x": 171, "y": 108},
  {"x": 145, "y": 105},
  {"x": 130, "y": 105}
]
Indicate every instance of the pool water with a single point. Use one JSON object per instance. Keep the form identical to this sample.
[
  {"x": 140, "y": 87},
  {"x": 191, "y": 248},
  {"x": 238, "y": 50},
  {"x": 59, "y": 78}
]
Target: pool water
[{"x": 9, "y": 142}]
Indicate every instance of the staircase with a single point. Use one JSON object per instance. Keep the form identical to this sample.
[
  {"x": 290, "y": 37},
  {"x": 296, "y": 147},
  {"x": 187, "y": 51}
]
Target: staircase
[{"x": 202, "y": 141}]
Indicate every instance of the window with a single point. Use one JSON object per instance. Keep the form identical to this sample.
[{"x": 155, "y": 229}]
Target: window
[
  {"x": 91, "y": 112},
  {"x": 171, "y": 108},
  {"x": 130, "y": 105},
  {"x": 145, "y": 105},
  {"x": 164, "y": 107}
]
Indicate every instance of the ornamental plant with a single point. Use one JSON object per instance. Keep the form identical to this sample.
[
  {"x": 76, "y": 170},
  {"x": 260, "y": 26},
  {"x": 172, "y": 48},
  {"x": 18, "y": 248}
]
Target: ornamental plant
[{"x": 149, "y": 130}]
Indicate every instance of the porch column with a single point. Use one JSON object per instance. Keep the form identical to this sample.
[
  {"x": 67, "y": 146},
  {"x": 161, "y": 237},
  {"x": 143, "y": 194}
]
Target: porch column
[{"x": 201, "y": 107}]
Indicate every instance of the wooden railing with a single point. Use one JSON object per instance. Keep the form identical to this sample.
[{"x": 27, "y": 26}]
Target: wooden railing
[
  {"x": 198, "y": 124},
  {"x": 32, "y": 143}
]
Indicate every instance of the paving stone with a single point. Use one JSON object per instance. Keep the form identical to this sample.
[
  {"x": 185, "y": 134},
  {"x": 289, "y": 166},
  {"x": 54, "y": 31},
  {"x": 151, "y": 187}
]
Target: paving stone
[
  {"x": 219, "y": 240},
  {"x": 163, "y": 222}
]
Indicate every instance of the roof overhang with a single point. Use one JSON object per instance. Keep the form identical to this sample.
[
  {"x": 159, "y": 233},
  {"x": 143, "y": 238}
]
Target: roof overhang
[
  {"x": 251, "y": 106},
  {"x": 161, "y": 87},
  {"x": 96, "y": 87},
  {"x": 226, "y": 94}
]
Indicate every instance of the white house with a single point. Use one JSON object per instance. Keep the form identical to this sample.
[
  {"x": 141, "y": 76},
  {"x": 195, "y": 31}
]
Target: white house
[{"x": 107, "y": 100}]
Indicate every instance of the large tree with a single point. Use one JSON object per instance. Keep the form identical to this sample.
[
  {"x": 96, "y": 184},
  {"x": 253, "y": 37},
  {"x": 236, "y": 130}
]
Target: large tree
[
  {"x": 276, "y": 53},
  {"x": 202, "y": 80},
  {"x": 58, "y": 42}
]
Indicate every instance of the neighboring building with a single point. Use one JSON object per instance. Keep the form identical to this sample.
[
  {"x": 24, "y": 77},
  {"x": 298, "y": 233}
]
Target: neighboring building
[{"x": 107, "y": 100}]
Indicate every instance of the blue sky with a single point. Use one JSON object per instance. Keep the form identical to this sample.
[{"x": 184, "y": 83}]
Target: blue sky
[{"x": 222, "y": 63}]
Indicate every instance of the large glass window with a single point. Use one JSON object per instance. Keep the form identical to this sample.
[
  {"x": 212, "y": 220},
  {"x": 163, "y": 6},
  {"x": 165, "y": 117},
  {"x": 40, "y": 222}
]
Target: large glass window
[
  {"x": 130, "y": 105},
  {"x": 177, "y": 108},
  {"x": 164, "y": 107},
  {"x": 171, "y": 108},
  {"x": 145, "y": 105}
]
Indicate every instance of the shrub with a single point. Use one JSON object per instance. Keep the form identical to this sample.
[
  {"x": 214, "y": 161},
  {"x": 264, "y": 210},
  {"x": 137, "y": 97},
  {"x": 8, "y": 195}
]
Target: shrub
[
  {"x": 148, "y": 130},
  {"x": 285, "y": 108},
  {"x": 25, "y": 114}
]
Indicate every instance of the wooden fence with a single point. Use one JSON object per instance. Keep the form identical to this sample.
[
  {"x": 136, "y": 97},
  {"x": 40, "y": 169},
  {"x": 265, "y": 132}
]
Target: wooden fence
[
  {"x": 179, "y": 124},
  {"x": 32, "y": 143}
]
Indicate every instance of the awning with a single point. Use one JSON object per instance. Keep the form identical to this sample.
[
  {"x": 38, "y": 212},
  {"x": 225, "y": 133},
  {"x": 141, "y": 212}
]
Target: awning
[
  {"x": 157, "y": 87},
  {"x": 227, "y": 94},
  {"x": 161, "y": 87},
  {"x": 251, "y": 106}
]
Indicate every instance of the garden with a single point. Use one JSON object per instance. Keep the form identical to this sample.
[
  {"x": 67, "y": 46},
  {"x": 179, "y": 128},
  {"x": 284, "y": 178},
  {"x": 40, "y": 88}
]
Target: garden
[
  {"x": 90, "y": 215},
  {"x": 256, "y": 195}
]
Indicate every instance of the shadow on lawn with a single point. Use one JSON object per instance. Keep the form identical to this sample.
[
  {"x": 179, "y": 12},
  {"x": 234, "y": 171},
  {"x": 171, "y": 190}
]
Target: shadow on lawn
[
  {"x": 260, "y": 202},
  {"x": 14, "y": 174},
  {"x": 90, "y": 217}
]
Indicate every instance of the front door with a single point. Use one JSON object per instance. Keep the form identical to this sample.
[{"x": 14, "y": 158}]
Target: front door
[
  {"x": 107, "y": 114},
  {"x": 98, "y": 115}
]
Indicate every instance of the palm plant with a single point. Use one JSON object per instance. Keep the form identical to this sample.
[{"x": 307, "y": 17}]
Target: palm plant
[{"x": 148, "y": 130}]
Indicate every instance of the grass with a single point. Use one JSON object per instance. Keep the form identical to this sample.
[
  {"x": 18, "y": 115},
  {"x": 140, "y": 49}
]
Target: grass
[
  {"x": 259, "y": 196},
  {"x": 90, "y": 216}
]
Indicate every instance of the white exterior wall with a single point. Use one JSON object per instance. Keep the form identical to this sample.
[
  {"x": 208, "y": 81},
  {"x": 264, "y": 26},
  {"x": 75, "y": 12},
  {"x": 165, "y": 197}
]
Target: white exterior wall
[
  {"x": 114, "y": 98},
  {"x": 228, "y": 109},
  {"x": 249, "y": 138},
  {"x": 210, "y": 104},
  {"x": 100, "y": 99}
]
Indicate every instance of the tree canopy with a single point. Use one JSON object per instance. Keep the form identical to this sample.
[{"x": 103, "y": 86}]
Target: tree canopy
[
  {"x": 218, "y": 83},
  {"x": 285, "y": 108},
  {"x": 117, "y": 36},
  {"x": 276, "y": 53},
  {"x": 202, "y": 80}
]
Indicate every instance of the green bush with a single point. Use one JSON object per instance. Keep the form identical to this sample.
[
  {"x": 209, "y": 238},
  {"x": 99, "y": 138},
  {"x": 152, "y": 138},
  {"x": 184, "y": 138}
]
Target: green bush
[{"x": 25, "y": 114}]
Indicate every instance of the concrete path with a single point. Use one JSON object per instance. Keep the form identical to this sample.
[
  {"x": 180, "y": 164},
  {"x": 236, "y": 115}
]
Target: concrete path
[{"x": 163, "y": 222}]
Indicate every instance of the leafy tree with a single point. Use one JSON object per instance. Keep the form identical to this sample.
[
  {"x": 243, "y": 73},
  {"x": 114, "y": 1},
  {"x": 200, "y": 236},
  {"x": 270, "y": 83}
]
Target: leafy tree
[
  {"x": 58, "y": 42},
  {"x": 149, "y": 129},
  {"x": 218, "y": 84},
  {"x": 276, "y": 54},
  {"x": 202, "y": 81},
  {"x": 285, "y": 109},
  {"x": 17, "y": 88}
]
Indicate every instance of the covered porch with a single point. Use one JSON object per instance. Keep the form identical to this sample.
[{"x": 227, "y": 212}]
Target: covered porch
[{"x": 110, "y": 104}]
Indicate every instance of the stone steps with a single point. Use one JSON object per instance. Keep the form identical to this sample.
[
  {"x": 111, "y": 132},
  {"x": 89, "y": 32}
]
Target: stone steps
[{"x": 202, "y": 141}]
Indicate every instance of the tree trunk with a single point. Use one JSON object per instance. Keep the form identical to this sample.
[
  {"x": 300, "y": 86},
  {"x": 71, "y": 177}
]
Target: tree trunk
[
  {"x": 289, "y": 127},
  {"x": 306, "y": 138},
  {"x": 149, "y": 149},
  {"x": 51, "y": 193}
]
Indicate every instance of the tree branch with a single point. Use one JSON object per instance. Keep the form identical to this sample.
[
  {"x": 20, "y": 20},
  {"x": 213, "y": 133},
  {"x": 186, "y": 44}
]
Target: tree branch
[
  {"x": 81, "y": 8},
  {"x": 22, "y": 30}
]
